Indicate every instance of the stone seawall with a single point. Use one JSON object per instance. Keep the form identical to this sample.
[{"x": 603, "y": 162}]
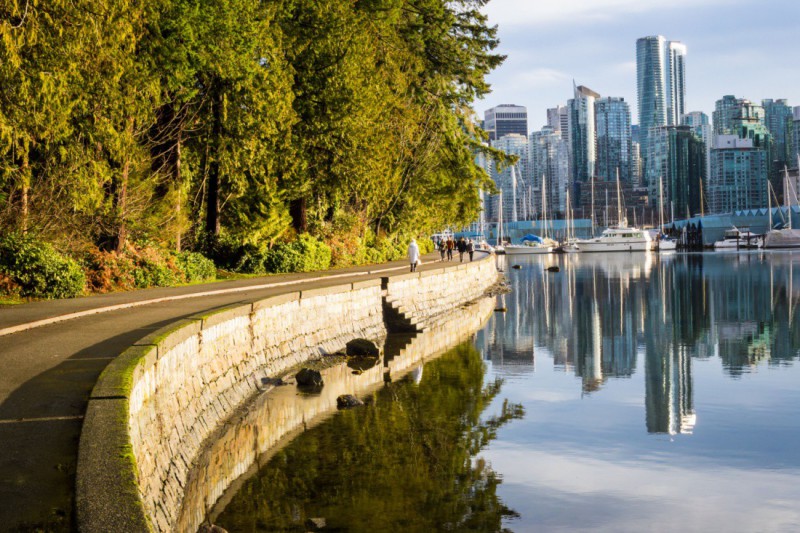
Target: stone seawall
[{"x": 159, "y": 408}]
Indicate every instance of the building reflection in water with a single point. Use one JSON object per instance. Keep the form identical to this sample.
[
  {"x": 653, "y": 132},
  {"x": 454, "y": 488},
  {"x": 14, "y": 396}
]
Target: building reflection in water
[{"x": 600, "y": 314}]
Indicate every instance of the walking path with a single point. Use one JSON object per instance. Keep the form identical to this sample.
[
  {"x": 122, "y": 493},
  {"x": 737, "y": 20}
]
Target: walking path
[{"x": 51, "y": 354}]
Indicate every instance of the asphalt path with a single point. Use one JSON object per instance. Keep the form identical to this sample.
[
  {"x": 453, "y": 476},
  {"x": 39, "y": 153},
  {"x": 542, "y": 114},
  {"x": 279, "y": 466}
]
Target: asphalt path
[{"x": 49, "y": 364}]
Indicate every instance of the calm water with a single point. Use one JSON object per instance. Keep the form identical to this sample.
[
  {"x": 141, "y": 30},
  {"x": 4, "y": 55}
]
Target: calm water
[{"x": 623, "y": 393}]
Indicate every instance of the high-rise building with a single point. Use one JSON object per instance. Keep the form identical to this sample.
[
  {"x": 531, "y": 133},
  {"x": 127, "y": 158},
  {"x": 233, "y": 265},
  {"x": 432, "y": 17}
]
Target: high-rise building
[
  {"x": 676, "y": 170},
  {"x": 795, "y": 137},
  {"x": 738, "y": 177},
  {"x": 558, "y": 120},
  {"x": 778, "y": 119},
  {"x": 698, "y": 121},
  {"x": 731, "y": 112},
  {"x": 582, "y": 134},
  {"x": 661, "y": 85},
  {"x": 512, "y": 180},
  {"x": 506, "y": 119},
  {"x": 613, "y": 129},
  {"x": 636, "y": 164},
  {"x": 548, "y": 154}
]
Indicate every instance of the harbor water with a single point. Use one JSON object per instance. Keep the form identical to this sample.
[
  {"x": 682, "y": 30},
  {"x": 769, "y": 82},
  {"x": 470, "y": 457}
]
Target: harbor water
[{"x": 624, "y": 392}]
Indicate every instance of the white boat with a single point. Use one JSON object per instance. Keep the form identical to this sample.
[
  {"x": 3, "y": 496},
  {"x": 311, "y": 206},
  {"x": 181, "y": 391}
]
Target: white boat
[
  {"x": 569, "y": 246},
  {"x": 785, "y": 237},
  {"x": 620, "y": 238},
  {"x": 666, "y": 244},
  {"x": 735, "y": 239},
  {"x": 528, "y": 248}
]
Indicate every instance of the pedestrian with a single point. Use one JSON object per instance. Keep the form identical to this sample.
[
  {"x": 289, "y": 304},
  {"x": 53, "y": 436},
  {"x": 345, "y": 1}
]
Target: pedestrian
[
  {"x": 470, "y": 249},
  {"x": 450, "y": 246},
  {"x": 462, "y": 247},
  {"x": 413, "y": 254},
  {"x": 442, "y": 248}
]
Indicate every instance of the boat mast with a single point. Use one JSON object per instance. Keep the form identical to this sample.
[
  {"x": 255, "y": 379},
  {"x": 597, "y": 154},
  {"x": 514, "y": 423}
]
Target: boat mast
[
  {"x": 660, "y": 205},
  {"x": 622, "y": 223},
  {"x": 786, "y": 195},
  {"x": 500, "y": 221},
  {"x": 591, "y": 214},
  {"x": 544, "y": 204}
]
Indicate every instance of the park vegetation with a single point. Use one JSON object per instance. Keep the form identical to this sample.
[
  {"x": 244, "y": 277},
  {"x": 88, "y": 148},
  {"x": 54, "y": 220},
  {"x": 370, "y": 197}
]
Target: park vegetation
[{"x": 139, "y": 137}]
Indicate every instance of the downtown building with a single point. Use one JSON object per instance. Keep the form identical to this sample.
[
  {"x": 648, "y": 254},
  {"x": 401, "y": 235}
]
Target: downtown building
[
  {"x": 738, "y": 177},
  {"x": 676, "y": 170},
  {"x": 660, "y": 84},
  {"x": 700, "y": 125},
  {"x": 512, "y": 181},
  {"x": 613, "y": 137},
  {"x": 504, "y": 120},
  {"x": 582, "y": 139},
  {"x": 548, "y": 164}
]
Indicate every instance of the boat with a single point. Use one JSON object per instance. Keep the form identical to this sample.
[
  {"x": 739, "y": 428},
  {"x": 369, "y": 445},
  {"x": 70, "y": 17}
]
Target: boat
[
  {"x": 569, "y": 246},
  {"x": 662, "y": 242},
  {"x": 531, "y": 244},
  {"x": 620, "y": 238},
  {"x": 735, "y": 239},
  {"x": 786, "y": 237}
]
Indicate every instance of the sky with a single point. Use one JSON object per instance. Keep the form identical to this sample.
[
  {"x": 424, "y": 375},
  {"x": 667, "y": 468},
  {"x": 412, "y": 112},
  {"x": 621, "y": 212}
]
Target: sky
[{"x": 740, "y": 47}]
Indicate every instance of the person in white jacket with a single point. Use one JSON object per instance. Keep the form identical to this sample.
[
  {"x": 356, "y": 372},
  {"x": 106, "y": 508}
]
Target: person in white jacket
[{"x": 413, "y": 255}]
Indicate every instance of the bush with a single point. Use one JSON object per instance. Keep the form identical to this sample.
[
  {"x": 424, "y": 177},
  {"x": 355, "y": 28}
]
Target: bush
[
  {"x": 38, "y": 269},
  {"x": 196, "y": 267},
  {"x": 303, "y": 255}
]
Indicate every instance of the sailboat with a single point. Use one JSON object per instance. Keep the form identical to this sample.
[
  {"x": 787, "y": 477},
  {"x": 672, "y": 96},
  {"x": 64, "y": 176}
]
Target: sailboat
[
  {"x": 663, "y": 244},
  {"x": 784, "y": 237},
  {"x": 569, "y": 246},
  {"x": 532, "y": 244},
  {"x": 619, "y": 238}
]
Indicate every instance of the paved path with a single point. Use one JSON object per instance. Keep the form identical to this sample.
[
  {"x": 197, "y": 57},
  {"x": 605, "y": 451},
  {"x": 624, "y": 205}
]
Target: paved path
[{"x": 47, "y": 371}]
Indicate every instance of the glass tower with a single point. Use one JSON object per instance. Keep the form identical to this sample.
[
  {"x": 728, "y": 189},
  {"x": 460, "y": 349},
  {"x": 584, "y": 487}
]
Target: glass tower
[
  {"x": 613, "y": 121},
  {"x": 506, "y": 119},
  {"x": 512, "y": 180}
]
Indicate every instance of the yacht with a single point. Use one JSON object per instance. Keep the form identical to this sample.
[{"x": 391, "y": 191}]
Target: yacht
[
  {"x": 528, "y": 248},
  {"x": 618, "y": 239},
  {"x": 736, "y": 238},
  {"x": 786, "y": 237}
]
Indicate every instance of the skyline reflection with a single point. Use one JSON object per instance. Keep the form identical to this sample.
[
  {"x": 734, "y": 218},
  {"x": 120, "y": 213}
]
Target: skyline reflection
[{"x": 600, "y": 314}]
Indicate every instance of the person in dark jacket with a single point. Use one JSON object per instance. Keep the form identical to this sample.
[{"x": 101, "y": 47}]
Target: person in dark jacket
[
  {"x": 470, "y": 249},
  {"x": 462, "y": 247}
]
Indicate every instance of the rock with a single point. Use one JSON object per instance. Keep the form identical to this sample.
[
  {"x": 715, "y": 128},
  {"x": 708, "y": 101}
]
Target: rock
[
  {"x": 315, "y": 524},
  {"x": 516, "y": 267},
  {"x": 554, "y": 268},
  {"x": 500, "y": 310},
  {"x": 363, "y": 347},
  {"x": 346, "y": 401},
  {"x": 277, "y": 382},
  {"x": 211, "y": 528},
  {"x": 309, "y": 378}
]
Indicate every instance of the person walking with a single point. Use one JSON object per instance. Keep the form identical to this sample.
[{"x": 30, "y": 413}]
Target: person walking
[
  {"x": 470, "y": 249},
  {"x": 413, "y": 254},
  {"x": 442, "y": 248},
  {"x": 462, "y": 247},
  {"x": 450, "y": 246}
]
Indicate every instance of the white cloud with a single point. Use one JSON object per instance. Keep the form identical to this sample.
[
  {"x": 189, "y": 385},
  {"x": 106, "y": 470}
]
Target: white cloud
[{"x": 509, "y": 13}]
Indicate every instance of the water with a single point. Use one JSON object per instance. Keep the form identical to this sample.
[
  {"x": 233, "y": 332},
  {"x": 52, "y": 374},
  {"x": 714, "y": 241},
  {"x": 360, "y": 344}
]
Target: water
[{"x": 623, "y": 393}]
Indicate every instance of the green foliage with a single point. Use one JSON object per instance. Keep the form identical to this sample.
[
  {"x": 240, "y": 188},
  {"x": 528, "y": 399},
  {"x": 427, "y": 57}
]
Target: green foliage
[
  {"x": 38, "y": 270},
  {"x": 196, "y": 267},
  {"x": 306, "y": 254}
]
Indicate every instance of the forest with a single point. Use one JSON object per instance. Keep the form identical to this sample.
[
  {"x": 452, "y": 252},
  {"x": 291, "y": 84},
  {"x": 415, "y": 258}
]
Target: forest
[{"x": 142, "y": 140}]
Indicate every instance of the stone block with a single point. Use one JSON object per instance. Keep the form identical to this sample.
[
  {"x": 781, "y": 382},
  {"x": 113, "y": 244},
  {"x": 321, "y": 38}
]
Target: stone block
[
  {"x": 274, "y": 301},
  {"x": 171, "y": 335}
]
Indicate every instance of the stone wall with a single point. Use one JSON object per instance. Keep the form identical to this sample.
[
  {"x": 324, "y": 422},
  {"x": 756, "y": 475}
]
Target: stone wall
[{"x": 160, "y": 407}]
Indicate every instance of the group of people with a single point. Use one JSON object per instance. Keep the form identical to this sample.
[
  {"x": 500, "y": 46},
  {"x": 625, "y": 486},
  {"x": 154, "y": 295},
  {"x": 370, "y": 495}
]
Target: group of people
[{"x": 446, "y": 248}]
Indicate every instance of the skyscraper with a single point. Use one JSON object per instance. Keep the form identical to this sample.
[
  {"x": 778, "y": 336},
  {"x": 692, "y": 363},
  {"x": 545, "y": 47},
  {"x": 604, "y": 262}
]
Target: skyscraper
[
  {"x": 698, "y": 121},
  {"x": 677, "y": 160},
  {"x": 505, "y": 119},
  {"x": 613, "y": 123},
  {"x": 549, "y": 159},
  {"x": 661, "y": 85},
  {"x": 738, "y": 177},
  {"x": 512, "y": 180},
  {"x": 582, "y": 134},
  {"x": 558, "y": 120},
  {"x": 731, "y": 112},
  {"x": 778, "y": 119}
]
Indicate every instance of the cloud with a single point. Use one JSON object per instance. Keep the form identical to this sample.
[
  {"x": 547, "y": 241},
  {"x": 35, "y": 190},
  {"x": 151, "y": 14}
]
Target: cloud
[{"x": 510, "y": 13}]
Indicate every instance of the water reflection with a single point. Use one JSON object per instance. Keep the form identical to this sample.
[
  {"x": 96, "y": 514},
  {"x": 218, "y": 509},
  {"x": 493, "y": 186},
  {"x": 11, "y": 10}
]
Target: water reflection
[{"x": 600, "y": 314}]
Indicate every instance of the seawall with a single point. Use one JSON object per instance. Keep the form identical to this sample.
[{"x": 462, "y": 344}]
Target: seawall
[{"x": 158, "y": 412}]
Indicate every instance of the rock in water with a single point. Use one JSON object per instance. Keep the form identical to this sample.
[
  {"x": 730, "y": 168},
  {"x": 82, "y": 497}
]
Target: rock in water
[
  {"x": 363, "y": 347},
  {"x": 516, "y": 267},
  {"x": 315, "y": 524},
  {"x": 346, "y": 401},
  {"x": 309, "y": 378},
  {"x": 554, "y": 268}
]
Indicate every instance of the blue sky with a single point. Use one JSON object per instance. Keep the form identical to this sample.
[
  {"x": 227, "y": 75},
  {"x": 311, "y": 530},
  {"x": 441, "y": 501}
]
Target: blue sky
[{"x": 745, "y": 48}]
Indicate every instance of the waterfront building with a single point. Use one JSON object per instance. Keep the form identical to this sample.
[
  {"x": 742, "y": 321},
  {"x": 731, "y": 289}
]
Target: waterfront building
[
  {"x": 731, "y": 112},
  {"x": 613, "y": 133},
  {"x": 582, "y": 134},
  {"x": 778, "y": 120},
  {"x": 548, "y": 153},
  {"x": 506, "y": 119},
  {"x": 636, "y": 164},
  {"x": 677, "y": 160},
  {"x": 512, "y": 180},
  {"x": 795, "y": 137},
  {"x": 558, "y": 120},
  {"x": 739, "y": 173},
  {"x": 698, "y": 121}
]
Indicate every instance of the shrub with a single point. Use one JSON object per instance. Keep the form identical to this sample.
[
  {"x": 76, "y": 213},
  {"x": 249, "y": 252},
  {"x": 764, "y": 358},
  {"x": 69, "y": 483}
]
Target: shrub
[
  {"x": 303, "y": 255},
  {"x": 38, "y": 269},
  {"x": 196, "y": 267}
]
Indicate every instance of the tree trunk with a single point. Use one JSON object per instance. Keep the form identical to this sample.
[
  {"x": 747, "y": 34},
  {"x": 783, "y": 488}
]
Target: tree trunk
[
  {"x": 178, "y": 190},
  {"x": 213, "y": 191},
  {"x": 297, "y": 210},
  {"x": 121, "y": 199}
]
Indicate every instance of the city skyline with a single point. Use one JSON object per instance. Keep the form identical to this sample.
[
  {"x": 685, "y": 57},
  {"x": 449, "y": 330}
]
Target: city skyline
[{"x": 549, "y": 47}]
